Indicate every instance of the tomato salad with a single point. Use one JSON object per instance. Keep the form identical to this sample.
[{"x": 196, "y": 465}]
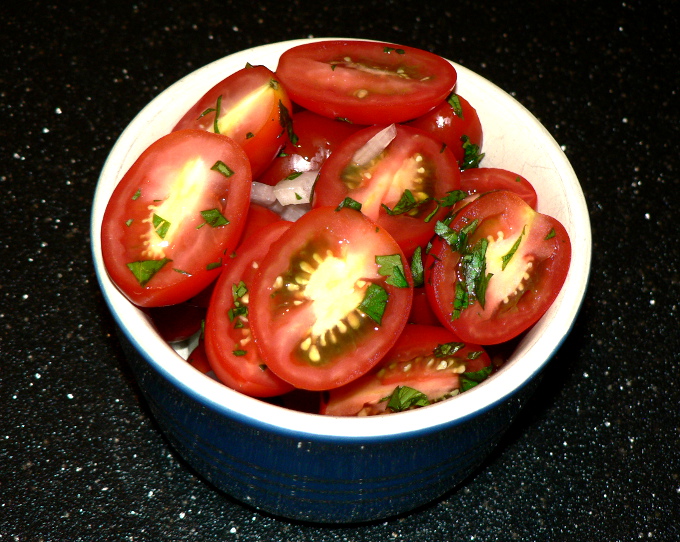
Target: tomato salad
[{"x": 328, "y": 236}]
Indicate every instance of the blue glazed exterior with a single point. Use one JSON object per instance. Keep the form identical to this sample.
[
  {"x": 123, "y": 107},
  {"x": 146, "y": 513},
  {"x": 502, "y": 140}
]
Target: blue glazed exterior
[{"x": 319, "y": 478}]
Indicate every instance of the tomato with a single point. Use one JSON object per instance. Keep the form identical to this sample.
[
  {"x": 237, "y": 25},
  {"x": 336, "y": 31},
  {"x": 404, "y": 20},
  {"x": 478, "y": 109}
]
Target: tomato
[
  {"x": 365, "y": 82},
  {"x": 485, "y": 179},
  {"x": 176, "y": 323},
  {"x": 228, "y": 340},
  {"x": 421, "y": 311},
  {"x": 174, "y": 215},
  {"x": 258, "y": 217},
  {"x": 247, "y": 106},
  {"x": 198, "y": 359},
  {"x": 414, "y": 164},
  {"x": 332, "y": 296},
  {"x": 315, "y": 138},
  {"x": 450, "y": 121},
  {"x": 429, "y": 359},
  {"x": 496, "y": 268}
]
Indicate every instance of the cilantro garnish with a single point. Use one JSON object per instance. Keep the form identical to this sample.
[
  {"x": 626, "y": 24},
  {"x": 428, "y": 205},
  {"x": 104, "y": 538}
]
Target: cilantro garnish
[
  {"x": 137, "y": 194},
  {"x": 222, "y": 168},
  {"x": 214, "y": 265},
  {"x": 349, "y": 202},
  {"x": 388, "y": 50},
  {"x": 407, "y": 202},
  {"x": 240, "y": 308},
  {"x": 392, "y": 267},
  {"x": 454, "y": 102},
  {"x": 447, "y": 349},
  {"x": 218, "y": 111},
  {"x": 239, "y": 352},
  {"x": 417, "y": 267},
  {"x": 506, "y": 259},
  {"x": 144, "y": 270},
  {"x": 470, "y": 380},
  {"x": 405, "y": 397},
  {"x": 374, "y": 302},
  {"x": 286, "y": 123},
  {"x": 551, "y": 234},
  {"x": 160, "y": 225},
  {"x": 214, "y": 218},
  {"x": 129, "y": 221},
  {"x": 472, "y": 156}
]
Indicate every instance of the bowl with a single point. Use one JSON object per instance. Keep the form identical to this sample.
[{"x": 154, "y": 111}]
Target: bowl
[{"x": 340, "y": 470}]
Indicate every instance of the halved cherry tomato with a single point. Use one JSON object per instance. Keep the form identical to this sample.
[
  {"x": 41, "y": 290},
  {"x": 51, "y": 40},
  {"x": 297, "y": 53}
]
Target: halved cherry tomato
[
  {"x": 421, "y": 311},
  {"x": 484, "y": 179},
  {"x": 228, "y": 340},
  {"x": 198, "y": 360},
  {"x": 247, "y": 106},
  {"x": 399, "y": 188},
  {"x": 176, "y": 323},
  {"x": 430, "y": 360},
  {"x": 315, "y": 138},
  {"x": 258, "y": 218},
  {"x": 365, "y": 82},
  {"x": 450, "y": 121},
  {"x": 495, "y": 269},
  {"x": 174, "y": 215},
  {"x": 332, "y": 296}
]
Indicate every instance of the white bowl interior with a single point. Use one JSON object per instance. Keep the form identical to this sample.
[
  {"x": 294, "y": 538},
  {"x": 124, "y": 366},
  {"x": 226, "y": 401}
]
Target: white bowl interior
[{"x": 513, "y": 139}]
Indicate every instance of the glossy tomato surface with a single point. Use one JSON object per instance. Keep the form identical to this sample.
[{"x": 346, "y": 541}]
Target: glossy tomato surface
[
  {"x": 332, "y": 296},
  {"x": 365, "y": 82},
  {"x": 431, "y": 360},
  {"x": 251, "y": 107},
  {"x": 174, "y": 215},
  {"x": 229, "y": 344},
  {"x": 484, "y": 179},
  {"x": 399, "y": 188},
  {"x": 450, "y": 121},
  {"x": 495, "y": 269}
]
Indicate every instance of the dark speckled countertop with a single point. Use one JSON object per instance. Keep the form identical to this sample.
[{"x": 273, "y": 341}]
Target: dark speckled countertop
[{"x": 596, "y": 453}]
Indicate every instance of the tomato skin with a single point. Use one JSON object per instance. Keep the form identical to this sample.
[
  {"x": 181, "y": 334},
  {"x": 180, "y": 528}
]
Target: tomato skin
[
  {"x": 257, "y": 219},
  {"x": 198, "y": 359},
  {"x": 484, "y": 179},
  {"x": 531, "y": 282},
  {"x": 243, "y": 373},
  {"x": 317, "y": 137},
  {"x": 174, "y": 176},
  {"x": 367, "y": 89},
  {"x": 448, "y": 126},
  {"x": 333, "y": 252},
  {"x": 249, "y": 113},
  {"x": 176, "y": 323},
  {"x": 385, "y": 182},
  {"x": 421, "y": 311},
  {"x": 406, "y": 365}
]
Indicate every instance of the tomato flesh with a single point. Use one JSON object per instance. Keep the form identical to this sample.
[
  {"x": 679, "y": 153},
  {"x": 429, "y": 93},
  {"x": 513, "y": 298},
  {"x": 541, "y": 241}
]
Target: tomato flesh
[
  {"x": 174, "y": 215},
  {"x": 527, "y": 258},
  {"x": 312, "y": 301},
  {"x": 484, "y": 179},
  {"x": 365, "y": 82},
  {"x": 413, "y": 361},
  {"x": 248, "y": 107}
]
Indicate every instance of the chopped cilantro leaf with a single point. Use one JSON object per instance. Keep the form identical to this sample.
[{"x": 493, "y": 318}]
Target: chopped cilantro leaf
[
  {"x": 214, "y": 218},
  {"x": 454, "y": 102},
  {"x": 349, "y": 202},
  {"x": 417, "y": 267},
  {"x": 472, "y": 156},
  {"x": 222, "y": 168},
  {"x": 160, "y": 225},
  {"x": 214, "y": 265},
  {"x": 392, "y": 267},
  {"x": 405, "y": 397},
  {"x": 239, "y": 352},
  {"x": 144, "y": 270},
  {"x": 470, "y": 380},
  {"x": 447, "y": 349},
  {"x": 374, "y": 302},
  {"x": 506, "y": 259},
  {"x": 286, "y": 123},
  {"x": 137, "y": 194},
  {"x": 551, "y": 234}
]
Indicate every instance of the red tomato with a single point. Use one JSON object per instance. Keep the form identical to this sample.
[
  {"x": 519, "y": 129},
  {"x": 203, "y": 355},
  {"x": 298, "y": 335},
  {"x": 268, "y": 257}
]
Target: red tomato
[
  {"x": 258, "y": 217},
  {"x": 247, "y": 106},
  {"x": 198, "y": 360},
  {"x": 365, "y": 82},
  {"x": 484, "y": 179},
  {"x": 429, "y": 359},
  {"x": 174, "y": 215},
  {"x": 228, "y": 340},
  {"x": 316, "y": 138},
  {"x": 414, "y": 164},
  {"x": 450, "y": 121},
  {"x": 176, "y": 323},
  {"x": 490, "y": 294},
  {"x": 332, "y": 296},
  {"x": 421, "y": 311}
]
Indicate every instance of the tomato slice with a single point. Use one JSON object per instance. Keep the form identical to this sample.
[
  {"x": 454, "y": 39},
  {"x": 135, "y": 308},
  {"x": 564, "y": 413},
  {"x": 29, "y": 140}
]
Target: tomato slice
[
  {"x": 408, "y": 177},
  {"x": 258, "y": 217},
  {"x": 176, "y": 323},
  {"x": 484, "y": 179},
  {"x": 251, "y": 107},
  {"x": 431, "y": 360},
  {"x": 315, "y": 138},
  {"x": 450, "y": 121},
  {"x": 229, "y": 344},
  {"x": 198, "y": 359},
  {"x": 365, "y": 82},
  {"x": 332, "y": 296},
  {"x": 174, "y": 215},
  {"x": 496, "y": 268}
]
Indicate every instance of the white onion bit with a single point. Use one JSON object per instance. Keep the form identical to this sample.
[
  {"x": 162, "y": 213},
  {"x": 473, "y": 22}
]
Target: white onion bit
[
  {"x": 296, "y": 191},
  {"x": 262, "y": 194},
  {"x": 374, "y": 146}
]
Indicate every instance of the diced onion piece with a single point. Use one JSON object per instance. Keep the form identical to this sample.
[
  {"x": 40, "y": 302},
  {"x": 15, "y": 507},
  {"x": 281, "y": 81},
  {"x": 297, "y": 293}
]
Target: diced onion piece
[
  {"x": 374, "y": 146},
  {"x": 262, "y": 194},
  {"x": 296, "y": 191},
  {"x": 293, "y": 212}
]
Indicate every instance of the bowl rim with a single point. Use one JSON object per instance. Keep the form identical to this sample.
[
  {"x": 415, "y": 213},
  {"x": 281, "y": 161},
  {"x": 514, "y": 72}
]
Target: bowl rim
[{"x": 298, "y": 425}]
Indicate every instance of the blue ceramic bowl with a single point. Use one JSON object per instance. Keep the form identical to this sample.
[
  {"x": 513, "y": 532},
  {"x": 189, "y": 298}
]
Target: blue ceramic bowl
[{"x": 339, "y": 470}]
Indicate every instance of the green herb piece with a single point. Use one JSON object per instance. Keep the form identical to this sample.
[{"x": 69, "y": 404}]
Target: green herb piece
[
  {"x": 137, "y": 194},
  {"x": 214, "y": 265},
  {"x": 250, "y": 135},
  {"x": 374, "y": 303},
  {"x": 506, "y": 259},
  {"x": 298, "y": 196},
  {"x": 474, "y": 355},
  {"x": 405, "y": 204},
  {"x": 447, "y": 349},
  {"x": 218, "y": 112},
  {"x": 238, "y": 290},
  {"x": 405, "y": 397},
  {"x": 470, "y": 380},
  {"x": 454, "y": 102},
  {"x": 239, "y": 352},
  {"x": 129, "y": 221},
  {"x": 214, "y": 218},
  {"x": 273, "y": 83},
  {"x": 293, "y": 175},
  {"x": 472, "y": 156},
  {"x": 551, "y": 234},
  {"x": 181, "y": 271},
  {"x": 222, "y": 168},
  {"x": 144, "y": 270},
  {"x": 349, "y": 202},
  {"x": 286, "y": 123},
  {"x": 417, "y": 268},
  {"x": 392, "y": 267},
  {"x": 473, "y": 266},
  {"x": 452, "y": 197},
  {"x": 160, "y": 225},
  {"x": 388, "y": 50}
]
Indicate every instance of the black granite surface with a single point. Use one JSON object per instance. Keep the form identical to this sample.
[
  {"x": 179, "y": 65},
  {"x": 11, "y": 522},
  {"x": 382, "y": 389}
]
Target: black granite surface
[{"x": 596, "y": 453}]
